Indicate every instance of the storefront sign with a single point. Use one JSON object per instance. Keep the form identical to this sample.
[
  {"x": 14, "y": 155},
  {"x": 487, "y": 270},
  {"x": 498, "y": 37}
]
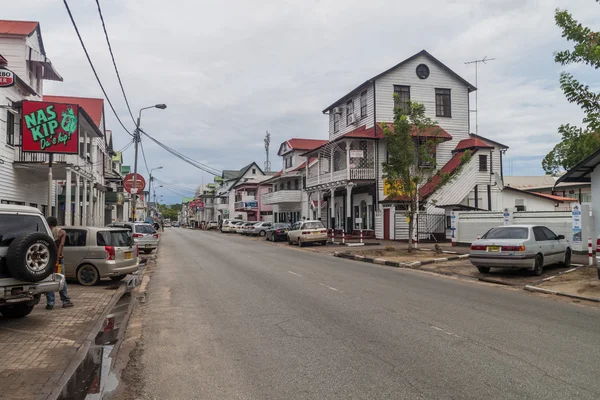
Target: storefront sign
[
  {"x": 576, "y": 216},
  {"x": 50, "y": 127},
  {"x": 453, "y": 221},
  {"x": 357, "y": 153},
  {"x": 7, "y": 78},
  {"x": 251, "y": 204}
]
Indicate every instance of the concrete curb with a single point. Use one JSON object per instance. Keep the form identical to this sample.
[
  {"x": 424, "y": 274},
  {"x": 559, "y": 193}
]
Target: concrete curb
[{"x": 533, "y": 287}]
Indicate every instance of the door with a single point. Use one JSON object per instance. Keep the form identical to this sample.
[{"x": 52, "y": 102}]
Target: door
[
  {"x": 386, "y": 224},
  {"x": 543, "y": 245},
  {"x": 557, "y": 247},
  {"x": 75, "y": 250}
]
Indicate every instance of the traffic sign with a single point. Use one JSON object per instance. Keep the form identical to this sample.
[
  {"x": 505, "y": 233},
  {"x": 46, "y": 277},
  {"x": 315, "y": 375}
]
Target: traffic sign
[{"x": 128, "y": 183}]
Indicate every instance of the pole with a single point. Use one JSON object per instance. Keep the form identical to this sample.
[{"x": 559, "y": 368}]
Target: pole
[
  {"x": 590, "y": 251},
  {"x": 136, "y": 139},
  {"x": 150, "y": 195},
  {"x": 49, "y": 208}
]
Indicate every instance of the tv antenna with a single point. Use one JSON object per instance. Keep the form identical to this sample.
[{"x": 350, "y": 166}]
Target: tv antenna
[
  {"x": 267, "y": 143},
  {"x": 484, "y": 60}
]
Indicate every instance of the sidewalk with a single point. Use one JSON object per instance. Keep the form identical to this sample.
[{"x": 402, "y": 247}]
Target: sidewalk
[{"x": 36, "y": 350}]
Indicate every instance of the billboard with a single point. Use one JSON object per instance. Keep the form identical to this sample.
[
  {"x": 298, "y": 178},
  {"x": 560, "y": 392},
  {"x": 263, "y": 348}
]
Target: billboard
[{"x": 50, "y": 127}]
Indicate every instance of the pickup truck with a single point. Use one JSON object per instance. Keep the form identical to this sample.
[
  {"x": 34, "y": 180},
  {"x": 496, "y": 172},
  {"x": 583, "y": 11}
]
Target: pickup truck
[{"x": 27, "y": 259}]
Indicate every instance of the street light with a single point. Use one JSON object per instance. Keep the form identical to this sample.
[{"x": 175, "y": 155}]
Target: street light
[
  {"x": 150, "y": 186},
  {"x": 136, "y": 139}
]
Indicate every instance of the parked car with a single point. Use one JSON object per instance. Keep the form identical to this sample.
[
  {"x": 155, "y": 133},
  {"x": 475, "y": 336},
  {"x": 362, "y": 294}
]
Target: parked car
[
  {"x": 598, "y": 256},
  {"x": 248, "y": 227},
  {"x": 229, "y": 225},
  {"x": 277, "y": 231},
  {"x": 520, "y": 247},
  {"x": 93, "y": 253},
  {"x": 212, "y": 225},
  {"x": 303, "y": 232},
  {"x": 260, "y": 229},
  {"x": 27, "y": 259},
  {"x": 239, "y": 227},
  {"x": 144, "y": 235},
  {"x": 176, "y": 225}
]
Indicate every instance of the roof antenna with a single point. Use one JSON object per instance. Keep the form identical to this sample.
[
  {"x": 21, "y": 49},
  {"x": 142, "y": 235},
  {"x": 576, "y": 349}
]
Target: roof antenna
[
  {"x": 267, "y": 143},
  {"x": 476, "y": 62}
]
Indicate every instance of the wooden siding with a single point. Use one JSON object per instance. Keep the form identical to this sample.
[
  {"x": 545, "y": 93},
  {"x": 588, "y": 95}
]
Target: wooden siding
[
  {"x": 455, "y": 191},
  {"x": 367, "y": 121},
  {"x": 14, "y": 50}
]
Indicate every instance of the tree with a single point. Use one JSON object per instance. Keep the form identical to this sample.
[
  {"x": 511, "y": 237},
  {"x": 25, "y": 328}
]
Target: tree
[
  {"x": 410, "y": 156},
  {"x": 577, "y": 143},
  {"x": 169, "y": 211}
]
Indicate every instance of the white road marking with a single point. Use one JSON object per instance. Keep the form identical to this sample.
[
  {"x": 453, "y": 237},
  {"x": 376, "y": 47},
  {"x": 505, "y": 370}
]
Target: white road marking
[
  {"x": 293, "y": 273},
  {"x": 446, "y": 332},
  {"x": 330, "y": 287}
]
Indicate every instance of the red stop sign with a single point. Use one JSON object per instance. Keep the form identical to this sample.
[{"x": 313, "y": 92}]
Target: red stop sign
[{"x": 128, "y": 183}]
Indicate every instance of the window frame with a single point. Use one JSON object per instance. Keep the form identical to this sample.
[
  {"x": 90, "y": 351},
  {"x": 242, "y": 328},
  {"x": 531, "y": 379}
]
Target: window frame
[
  {"x": 349, "y": 110},
  {"x": 544, "y": 238},
  {"x": 81, "y": 232},
  {"x": 402, "y": 103},
  {"x": 547, "y": 230},
  {"x": 363, "y": 104},
  {"x": 440, "y": 107},
  {"x": 10, "y": 127},
  {"x": 336, "y": 122},
  {"x": 483, "y": 167}
]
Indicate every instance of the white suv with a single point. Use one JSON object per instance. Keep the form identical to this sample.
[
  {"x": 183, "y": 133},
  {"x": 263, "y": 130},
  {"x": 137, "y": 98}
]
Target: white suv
[{"x": 27, "y": 260}]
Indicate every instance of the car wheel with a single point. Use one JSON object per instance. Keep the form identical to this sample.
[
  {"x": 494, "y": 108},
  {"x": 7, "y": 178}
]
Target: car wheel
[
  {"x": 147, "y": 251},
  {"x": 87, "y": 275},
  {"x": 484, "y": 270},
  {"x": 290, "y": 241},
  {"x": 567, "y": 262},
  {"x": 31, "y": 257},
  {"x": 598, "y": 268},
  {"x": 324, "y": 242},
  {"x": 16, "y": 311},
  {"x": 538, "y": 269},
  {"x": 262, "y": 233},
  {"x": 118, "y": 277}
]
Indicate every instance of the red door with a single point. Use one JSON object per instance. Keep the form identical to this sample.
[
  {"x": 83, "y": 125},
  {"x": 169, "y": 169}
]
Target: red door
[{"x": 386, "y": 224}]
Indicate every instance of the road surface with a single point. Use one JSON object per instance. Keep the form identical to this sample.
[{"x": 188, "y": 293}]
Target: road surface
[{"x": 231, "y": 318}]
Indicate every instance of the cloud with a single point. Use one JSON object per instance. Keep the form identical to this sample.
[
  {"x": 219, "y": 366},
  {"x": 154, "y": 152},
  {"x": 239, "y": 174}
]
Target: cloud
[{"x": 229, "y": 71}]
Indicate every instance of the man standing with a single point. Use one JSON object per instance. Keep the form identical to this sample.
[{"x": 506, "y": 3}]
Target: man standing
[{"x": 59, "y": 237}]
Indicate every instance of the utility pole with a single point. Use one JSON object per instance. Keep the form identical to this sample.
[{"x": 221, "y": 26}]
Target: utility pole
[
  {"x": 476, "y": 62},
  {"x": 267, "y": 143}
]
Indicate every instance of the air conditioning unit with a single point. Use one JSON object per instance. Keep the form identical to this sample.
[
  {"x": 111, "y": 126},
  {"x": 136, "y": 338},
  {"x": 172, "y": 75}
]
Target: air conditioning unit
[
  {"x": 352, "y": 119},
  {"x": 337, "y": 110}
]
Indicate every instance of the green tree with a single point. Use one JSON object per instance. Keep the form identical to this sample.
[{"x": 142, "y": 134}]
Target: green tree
[
  {"x": 169, "y": 211},
  {"x": 577, "y": 143},
  {"x": 410, "y": 157}
]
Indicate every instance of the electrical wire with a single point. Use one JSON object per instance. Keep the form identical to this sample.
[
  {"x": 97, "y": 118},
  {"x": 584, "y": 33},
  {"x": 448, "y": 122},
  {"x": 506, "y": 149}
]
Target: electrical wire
[
  {"x": 178, "y": 187},
  {"x": 144, "y": 157},
  {"x": 112, "y": 56},
  {"x": 93, "y": 68},
  {"x": 175, "y": 190}
]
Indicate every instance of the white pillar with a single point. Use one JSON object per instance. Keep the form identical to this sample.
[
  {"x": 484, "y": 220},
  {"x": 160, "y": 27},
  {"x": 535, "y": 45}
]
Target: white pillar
[
  {"x": 318, "y": 204},
  {"x": 347, "y": 223},
  {"x": 348, "y": 160},
  {"x": 84, "y": 206},
  {"x": 332, "y": 208},
  {"x": 68, "y": 199},
  {"x": 77, "y": 201}
]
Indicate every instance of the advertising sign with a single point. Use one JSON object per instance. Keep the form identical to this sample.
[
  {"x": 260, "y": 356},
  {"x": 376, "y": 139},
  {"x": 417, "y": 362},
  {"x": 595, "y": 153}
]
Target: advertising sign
[
  {"x": 453, "y": 221},
  {"x": 576, "y": 216},
  {"x": 357, "y": 154},
  {"x": 251, "y": 204},
  {"x": 50, "y": 127},
  {"x": 7, "y": 78},
  {"x": 506, "y": 216},
  {"x": 128, "y": 183}
]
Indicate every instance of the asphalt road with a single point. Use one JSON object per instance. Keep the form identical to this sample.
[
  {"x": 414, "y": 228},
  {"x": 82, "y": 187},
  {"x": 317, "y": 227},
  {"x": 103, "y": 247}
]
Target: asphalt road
[{"x": 230, "y": 318}]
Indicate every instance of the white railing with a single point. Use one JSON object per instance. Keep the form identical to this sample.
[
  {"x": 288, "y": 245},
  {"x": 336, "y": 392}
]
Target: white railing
[
  {"x": 282, "y": 196},
  {"x": 362, "y": 173},
  {"x": 355, "y": 173}
]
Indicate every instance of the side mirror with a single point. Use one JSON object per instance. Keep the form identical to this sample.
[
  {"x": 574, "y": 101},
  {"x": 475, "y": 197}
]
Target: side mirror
[{"x": 560, "y": 237}]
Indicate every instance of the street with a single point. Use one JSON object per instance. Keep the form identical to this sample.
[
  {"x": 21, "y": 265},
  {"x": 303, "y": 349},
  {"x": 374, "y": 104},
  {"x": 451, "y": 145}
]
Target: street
[{"x": 231, "y": 318}]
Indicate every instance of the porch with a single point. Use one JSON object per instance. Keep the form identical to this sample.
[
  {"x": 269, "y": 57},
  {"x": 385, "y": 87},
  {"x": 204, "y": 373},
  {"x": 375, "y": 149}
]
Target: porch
[{"x": 282, "y": 196}]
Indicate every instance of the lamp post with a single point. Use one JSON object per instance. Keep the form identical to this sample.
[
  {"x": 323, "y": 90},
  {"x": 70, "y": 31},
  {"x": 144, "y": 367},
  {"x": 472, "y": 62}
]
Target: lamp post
[
  {"x": 150, "y": 189},
  {"x": 136, "y": 139}
]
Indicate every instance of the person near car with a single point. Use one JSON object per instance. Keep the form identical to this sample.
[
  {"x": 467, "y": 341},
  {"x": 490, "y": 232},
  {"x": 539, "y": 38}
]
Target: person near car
[{"x": 59, "y": 237}]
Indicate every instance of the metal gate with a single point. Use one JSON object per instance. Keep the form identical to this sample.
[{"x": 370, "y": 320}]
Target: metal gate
[{"x": 431, "y": 227}]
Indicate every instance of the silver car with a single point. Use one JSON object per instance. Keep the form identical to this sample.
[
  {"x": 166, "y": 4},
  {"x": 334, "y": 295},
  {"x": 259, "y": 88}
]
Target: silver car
[
  {"x": 260, "y": 229},
  {"x": 92, "y": 253},
  {"x": 520, "y": 247},
  {"x": 144, "y": 234}
]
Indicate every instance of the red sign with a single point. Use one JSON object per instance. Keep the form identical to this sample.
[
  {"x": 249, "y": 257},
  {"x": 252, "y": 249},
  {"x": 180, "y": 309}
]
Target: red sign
[
  {"x": 7, "y": 78},
  {"x": 128, "y": 183},
  {"x": 50, "y": 127}
]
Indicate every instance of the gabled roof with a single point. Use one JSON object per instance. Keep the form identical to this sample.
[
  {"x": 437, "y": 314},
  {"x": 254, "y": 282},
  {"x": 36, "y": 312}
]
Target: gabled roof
[
  {"x": 243, "y": 171},
  {"x": 582, "y": 171},
  {"x": 93, "y": 106},
  {"x": 17, "y": 28},
  {"x": 558, "y": 199},
  {"x": 301, "y": 144},
  {"x": 421, "y": 53},
  {"x": 503, "y": 146},
  {"x": 230, "y": 174},
  {"x": 472, "y": 143}
]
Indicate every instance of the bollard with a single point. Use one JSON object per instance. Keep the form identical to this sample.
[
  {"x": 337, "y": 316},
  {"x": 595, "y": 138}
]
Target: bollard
[
  {"x": 590, "y": 251},
  {"x": 333, "y": 236},
  {"x": 361, "y": 237},
  {"x": 416, "y": 241},
  {"x": 343, "y": 237},
  {"x": 453, "y": 239}
]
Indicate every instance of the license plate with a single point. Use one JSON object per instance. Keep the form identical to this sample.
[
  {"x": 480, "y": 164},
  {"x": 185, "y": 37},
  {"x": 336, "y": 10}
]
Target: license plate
[
  {"x": 493, "y": 249},
  {"x": 316, "y": 233},
  {"x": 148, "y": 245},
  {"x": 128, "y": 256}
]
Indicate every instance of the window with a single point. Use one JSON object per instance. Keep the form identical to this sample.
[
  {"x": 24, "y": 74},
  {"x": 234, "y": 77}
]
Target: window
[
  {"x": 144, "y": 228},
  {"x": 448, "y": 222},
  {"x": 507, "y": 233},
  {"x": 288, "y": 162},
  {"x": 403, "y": 97},
  {"x": 253, "y": 171},
  {"x": 114, "y": 238},
  {"x": 313, "y": 225},
  {"x": 336, "y": 122},
  {"x": 549, "y": 234},
  {"x": 12, "y": 226},
  {"x": 75, "y": 238},
  {"x": 34, "y": 205},
  {"x": 363, "y": 104},
  {"x": 483, "y": 162},
  {"x": 10, "y": 128},
  {"x": 297, "y": 184},
  {"x": 349, "y": 111},
  {"x": 442, "y": 103},
  {"x": 539, "y": 234},
  {"x": 520, "y": 207}
]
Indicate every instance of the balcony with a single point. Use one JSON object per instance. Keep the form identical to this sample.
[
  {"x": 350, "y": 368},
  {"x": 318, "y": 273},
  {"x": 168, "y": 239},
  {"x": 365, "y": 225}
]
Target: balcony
[
  {"x": 356, "y": 174},
  {"x": 246, "y": 205},
  {"x": 36, "y": 158},
  {"x": 282, "y": 196}
]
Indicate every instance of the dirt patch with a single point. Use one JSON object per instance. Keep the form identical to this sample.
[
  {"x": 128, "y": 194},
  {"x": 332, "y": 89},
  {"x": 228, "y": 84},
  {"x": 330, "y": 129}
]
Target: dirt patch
[
  {"x": 394, "y": 254},
  {"x": 581, "y": 282}
]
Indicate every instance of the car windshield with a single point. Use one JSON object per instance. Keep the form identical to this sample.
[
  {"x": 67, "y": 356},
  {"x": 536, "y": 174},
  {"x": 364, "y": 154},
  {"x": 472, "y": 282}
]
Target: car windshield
[
  {"x": 507, "y": 233},
  {"x": 12, "y": 225},
  {"x": 113, "y": 238},
  {"x": 144, "y": 228},
  {"x": 313, "y": 225}
]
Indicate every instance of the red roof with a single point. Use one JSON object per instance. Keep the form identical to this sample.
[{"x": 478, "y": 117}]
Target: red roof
[
  {"x": 363, "y": 132},
  {"x": 472, "y": 143},
  {"x": 278, "y": 174},
  {"x": 305, "y": 144},
  {"x": 303, "y": 165},
  {"x": 91, "y": 106},
  {"x": 434, "y": 183},
  {"x": 555, "y": 198},
  {"x": 21, "y": 28}
]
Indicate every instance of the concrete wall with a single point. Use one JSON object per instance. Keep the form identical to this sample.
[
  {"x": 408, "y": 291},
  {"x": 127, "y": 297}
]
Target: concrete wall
[{"x": 596, "y": 195}]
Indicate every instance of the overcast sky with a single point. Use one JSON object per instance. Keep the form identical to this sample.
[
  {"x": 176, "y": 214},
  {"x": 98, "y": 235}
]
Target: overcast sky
[{"x": 230, "y": 70}]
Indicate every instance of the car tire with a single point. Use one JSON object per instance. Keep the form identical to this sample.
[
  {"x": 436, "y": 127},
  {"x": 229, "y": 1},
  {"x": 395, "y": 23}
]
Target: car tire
[
  {"x": 16, "y": 311},
  {"x": 598, "y": 268},
  {"x": 290, "y": 241},
  {"x": 567, "y": 262},
  {"x": 31, "y": 257},
  {"x": 324, "y": 242},
  {"x": 87, "y": 275},
  {"x": 484, "y": 270},
  {"x": 538, "y": 268},
  {"x": 118, "y": 278},
  {"x": 262, "y": 233},
  {"x": 147, "y": 251}
]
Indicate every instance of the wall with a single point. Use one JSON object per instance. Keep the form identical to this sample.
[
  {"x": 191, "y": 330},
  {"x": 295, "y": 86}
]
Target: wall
[
  {"x": 531, "y": 202},
  {"x": 596, "y": 195},
  {"x": 14, "y": 50},
  {"x": 367, "y": 121}
]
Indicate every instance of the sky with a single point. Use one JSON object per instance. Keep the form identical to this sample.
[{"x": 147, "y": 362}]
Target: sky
[{"x": 231, "y": 70}]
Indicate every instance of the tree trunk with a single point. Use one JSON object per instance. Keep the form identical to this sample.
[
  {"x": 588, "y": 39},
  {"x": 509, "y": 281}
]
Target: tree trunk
[{"x": 411, "y": 214}]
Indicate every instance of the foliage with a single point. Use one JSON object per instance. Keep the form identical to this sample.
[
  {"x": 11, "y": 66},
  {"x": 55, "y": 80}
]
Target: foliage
[
  {"x": 577, "y": 143},
  {"x": 169, "y": 211},
  {"x": 446, "y": 177},
  {"x": 410, "y": 155}
]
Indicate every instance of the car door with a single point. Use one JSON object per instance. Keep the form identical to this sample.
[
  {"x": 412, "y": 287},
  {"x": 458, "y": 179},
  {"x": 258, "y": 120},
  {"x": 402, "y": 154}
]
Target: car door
[
  {"x": 294, "y": 232},
  {"x": 265, "y": 226},
  {"x": 75, "y": 250},
  {"x": 543, "y": 245},
  {"x": 558, "y": 247}
]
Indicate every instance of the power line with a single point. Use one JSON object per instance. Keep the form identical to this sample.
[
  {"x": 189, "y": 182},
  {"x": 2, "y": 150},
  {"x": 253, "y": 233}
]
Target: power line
[
  {"x": 178, "y": 187},
  {"x": 144, "y": 156},
  {"x": 174, "y": 189},
  {"x": 112, "y": 56},
  {"x": 92, "y": 66}
]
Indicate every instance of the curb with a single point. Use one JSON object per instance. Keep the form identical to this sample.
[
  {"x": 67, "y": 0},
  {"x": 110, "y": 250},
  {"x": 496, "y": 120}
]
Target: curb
[{"x": 548, "y": 291}]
